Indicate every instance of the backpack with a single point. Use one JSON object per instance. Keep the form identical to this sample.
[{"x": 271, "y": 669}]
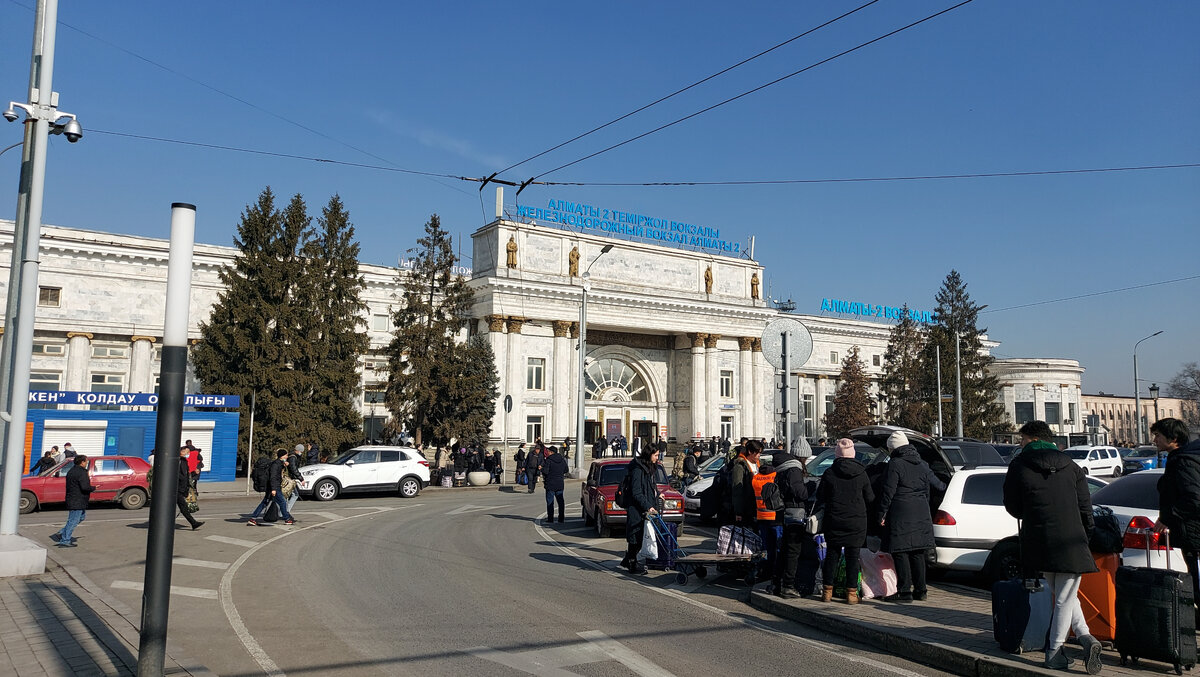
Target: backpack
[
  {"x": 199, "y": 461},
  {"x": 771, "y": 497},
  {"x": 262, "y": 474},
  {"x": 624, "y": 494}
]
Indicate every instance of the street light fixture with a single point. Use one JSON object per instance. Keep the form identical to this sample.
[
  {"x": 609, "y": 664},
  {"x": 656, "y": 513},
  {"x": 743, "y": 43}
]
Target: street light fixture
[
  {"x": 1137, "y": 397},
  {"x": 586, "y": 287},
  {"x": 1154, "y": 394}
]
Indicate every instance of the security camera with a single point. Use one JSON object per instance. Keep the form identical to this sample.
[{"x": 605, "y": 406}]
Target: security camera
[
  {"x": 11, "y": 115},
  {"x": 73, "y": 131}
]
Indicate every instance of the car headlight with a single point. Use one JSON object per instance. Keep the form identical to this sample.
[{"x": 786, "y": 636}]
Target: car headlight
[
  {"x": 307, "y": 473},
  {"x": 672, "y": 504},
  {"x": 611, "y": 506}
]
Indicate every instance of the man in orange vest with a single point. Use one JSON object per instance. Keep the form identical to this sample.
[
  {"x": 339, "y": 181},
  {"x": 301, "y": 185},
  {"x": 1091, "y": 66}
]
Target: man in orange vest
[{"x": 770, "y": 523}]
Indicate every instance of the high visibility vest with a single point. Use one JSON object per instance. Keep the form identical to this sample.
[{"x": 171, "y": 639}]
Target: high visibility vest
[{"x": 759, "y": 481}]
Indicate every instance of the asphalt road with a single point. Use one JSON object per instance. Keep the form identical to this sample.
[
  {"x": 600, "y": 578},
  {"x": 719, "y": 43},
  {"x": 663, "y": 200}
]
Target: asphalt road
[{"x": 454, "y": 581}]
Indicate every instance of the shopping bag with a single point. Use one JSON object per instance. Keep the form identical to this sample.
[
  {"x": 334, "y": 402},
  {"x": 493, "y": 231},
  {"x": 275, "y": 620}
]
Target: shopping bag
[
  {"x": 878, "y": 574},
  {"x": 193, "y": 502},
  {"x": 839, "y": 580},
  {"x": 822, "y": 548},
  {"x": 735, "y": 540},
  {"x": 649, "y": 551}
]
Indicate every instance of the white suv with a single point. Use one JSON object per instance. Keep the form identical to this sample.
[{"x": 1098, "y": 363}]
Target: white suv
[
  {"x": 400, "y": 469},
  {"x": 1097, "y": 460},
  {"x": 971, "y": 529}
]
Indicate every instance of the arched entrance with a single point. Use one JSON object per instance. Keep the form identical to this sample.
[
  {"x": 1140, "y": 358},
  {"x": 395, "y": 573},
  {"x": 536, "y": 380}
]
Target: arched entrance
[{"x": 619, "y": 399}]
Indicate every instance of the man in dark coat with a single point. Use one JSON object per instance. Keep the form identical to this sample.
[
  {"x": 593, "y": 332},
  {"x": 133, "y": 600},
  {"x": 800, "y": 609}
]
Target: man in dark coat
[
  {"x": 691, "y": 465},
  {"x": 274, "y": 491},
  {"x": 1048, "y": 493},
  {"x": 533, "y": 464},
  {"x": 641, "y": 504},
  {"x": 554, "y": 470},
  {"x": 797, "y": 546},
  {"x": 78, "y": 487},
  {"x": 908, "y": 526},
  {"x": 745, "y": 466},
  {"x": 1179, "y": 491},
  {"x": 184, "y": 486},
  {"x": 844, "y": 494}
]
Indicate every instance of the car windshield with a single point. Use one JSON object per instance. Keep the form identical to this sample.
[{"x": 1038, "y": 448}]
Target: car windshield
[
  {"x": 712, "y": 465},
  {"x": 1143, "y": 453},
  {"x": 346, "y": 456},
  {"x": 1077, "y": 454},
  {"x": 1139, "y": 490},
  {"x": 612, "y": 474}
]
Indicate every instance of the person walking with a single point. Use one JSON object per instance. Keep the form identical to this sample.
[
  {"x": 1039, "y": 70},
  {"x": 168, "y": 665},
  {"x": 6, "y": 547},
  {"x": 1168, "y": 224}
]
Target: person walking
[
  {"x": 843, "y": 495},
  {"x": 292, "y": 467},
  {"x": 274, "y": 493},
  {"x": 78, "y": 487},
  {"x": 1179, "y": 492},
  {"x": 533, "y": 464},
  {"x": 194, "y": 462},
  {"x": 908, "y": 526},
  {"x": 184, "y": 486},
  {"x": 554, "y": 470},
  {"x": 1048, "y": 494},
  {"x": 640, "y": 506}
]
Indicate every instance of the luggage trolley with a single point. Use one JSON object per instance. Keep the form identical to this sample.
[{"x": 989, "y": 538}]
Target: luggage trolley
[{"x": 687, "y": 564}]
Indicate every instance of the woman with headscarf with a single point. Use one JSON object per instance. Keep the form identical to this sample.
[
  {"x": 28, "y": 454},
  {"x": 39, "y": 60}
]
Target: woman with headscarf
[
  {"x": 844, "y": 494},
  {"x": 908, "y": 526}
]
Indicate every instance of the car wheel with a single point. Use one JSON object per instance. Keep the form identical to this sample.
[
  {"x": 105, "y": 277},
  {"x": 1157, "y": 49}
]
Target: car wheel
[
  {"x": 1005, "y": 562},
  {"x": 603, "y": 530},
  {"x": 134, "y": 499},
  {"x": 325, "y": 490},
  {"x": 409, "y": 487},
  {"x": 1116, "y": 471},
  {"x": 28, "y": 502}
]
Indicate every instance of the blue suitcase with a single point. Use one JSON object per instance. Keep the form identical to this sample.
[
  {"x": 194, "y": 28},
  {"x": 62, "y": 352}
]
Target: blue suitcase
[
  {"x": 666, "y": 545},
  {"x": 1020, "y": 616}
]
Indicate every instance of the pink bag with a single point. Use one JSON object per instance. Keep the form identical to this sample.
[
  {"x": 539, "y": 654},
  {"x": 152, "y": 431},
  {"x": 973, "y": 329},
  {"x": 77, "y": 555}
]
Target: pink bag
[{"x": 878, "y": 574}]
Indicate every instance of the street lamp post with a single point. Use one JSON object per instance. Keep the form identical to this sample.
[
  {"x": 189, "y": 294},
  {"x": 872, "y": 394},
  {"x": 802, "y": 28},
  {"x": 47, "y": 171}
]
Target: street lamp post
[
  {"x": 1154, "y": 394},
  {"x": 1137, "y": 397},
  {"x": 579, "y": 437}
]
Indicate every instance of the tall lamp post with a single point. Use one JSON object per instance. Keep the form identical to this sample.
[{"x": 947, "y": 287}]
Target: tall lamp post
[
  {"x": 1154, "y": 394},
  {"x": 1137, "y": 397},
  {"x": 579, "y": 438}
]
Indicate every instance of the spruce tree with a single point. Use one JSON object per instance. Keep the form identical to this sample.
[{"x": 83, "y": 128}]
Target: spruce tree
[
  {"x": 903, "y": 380},
  {"x": 433, "y": 310},
  {"x": 958, "y": 315},
  {"x": 852, "y": 401},
  {"x": 469, "y": 389}
]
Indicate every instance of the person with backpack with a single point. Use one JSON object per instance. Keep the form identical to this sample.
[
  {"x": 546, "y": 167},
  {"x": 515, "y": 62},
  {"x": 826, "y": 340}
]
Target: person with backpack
[
  {"x": 843, "y": 497},
  {"x": 269, "y": 476},
  {"x": 292, "y": 468},
  {"x": 641, "y": 501},
  {"x": 796, "y": 544},
  {"x": 533, "y": 465}
]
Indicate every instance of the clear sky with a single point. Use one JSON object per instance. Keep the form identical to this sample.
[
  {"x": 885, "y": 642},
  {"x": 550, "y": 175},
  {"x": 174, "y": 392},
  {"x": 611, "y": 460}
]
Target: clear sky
[{"x": 467, "y": 89}]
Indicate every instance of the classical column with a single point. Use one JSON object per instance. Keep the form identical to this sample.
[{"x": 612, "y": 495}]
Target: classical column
[
  {"x": 515, "y": 361},
  {"x": 746, "y": 425},
  {"x": 79, "y": 355},
  {"x": 763, "y": 405},
  {"x": 499, "y": 343},
  {"x": 699, "y": 406},
  {"x": 712, "y": 384},
  {"x": 141, "y": 375},
  {"x": 561, "y": 388}
]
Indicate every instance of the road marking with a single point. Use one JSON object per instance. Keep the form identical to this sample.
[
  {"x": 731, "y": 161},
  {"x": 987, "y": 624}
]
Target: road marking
[
  {"x": 233, "y": 541},
  {"x": 175, "y": 589},
  {"x": 597, "y": 541},
  {"x": 596, "y": 647},
  {"x": 326, "y": 515},
  {"x": 623, "y": 654},
  {"x": 200, "y": 563},
  {"x": 462, "y": 510}
]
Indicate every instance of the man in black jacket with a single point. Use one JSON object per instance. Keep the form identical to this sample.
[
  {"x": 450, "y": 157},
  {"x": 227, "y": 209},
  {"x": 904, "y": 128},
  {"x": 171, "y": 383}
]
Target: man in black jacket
[
  {"x": 78, "y": 488},
  {"x": 274, "y": 492},
  {"x": 533, "y": 464},
  {"x": 691, "y": 465},
  {"x": 185, "y": 486},
  {"x": 555, "y": 470},
  {"x": 1179, "y": 492}
]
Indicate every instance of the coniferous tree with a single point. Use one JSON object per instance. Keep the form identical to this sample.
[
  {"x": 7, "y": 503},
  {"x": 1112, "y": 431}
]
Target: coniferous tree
[
  {"x": 852, "y": 401},
  {"x": 469, "y": 392},
  {"x": 903, "y": 379},
  {"x": 958, "y": 315},
  {"x": 433, "y": 310}
]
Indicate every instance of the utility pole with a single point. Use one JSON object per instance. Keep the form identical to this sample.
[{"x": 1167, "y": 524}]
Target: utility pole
[
  {"x": 958, "y": 384},
  {"x": 937, "y": 349}
]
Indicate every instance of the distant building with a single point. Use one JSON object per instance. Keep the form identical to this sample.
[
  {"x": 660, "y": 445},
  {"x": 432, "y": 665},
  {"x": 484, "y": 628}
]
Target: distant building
[
  {"x": 1116, "y": 418},
  {"x": 1043, "y": 389}
]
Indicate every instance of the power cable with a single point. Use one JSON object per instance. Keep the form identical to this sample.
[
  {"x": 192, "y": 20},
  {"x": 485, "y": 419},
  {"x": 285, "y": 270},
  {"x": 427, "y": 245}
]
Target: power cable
[
  {"x": 1084, "y": 296},
  {"x": 684, "y": 89},
  {"x": 752, "y": 91}
]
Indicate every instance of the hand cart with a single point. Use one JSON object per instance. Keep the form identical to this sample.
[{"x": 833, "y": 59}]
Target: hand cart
[{"x": 687, "y": 564}]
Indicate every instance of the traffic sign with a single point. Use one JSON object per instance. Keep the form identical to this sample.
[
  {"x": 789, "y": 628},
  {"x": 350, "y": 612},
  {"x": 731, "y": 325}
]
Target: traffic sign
[{"x": 800, "y": 343}]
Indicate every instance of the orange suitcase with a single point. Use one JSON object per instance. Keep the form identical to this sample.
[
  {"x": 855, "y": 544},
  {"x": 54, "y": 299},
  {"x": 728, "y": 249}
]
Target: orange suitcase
[{"x": 1098, "y": 597}]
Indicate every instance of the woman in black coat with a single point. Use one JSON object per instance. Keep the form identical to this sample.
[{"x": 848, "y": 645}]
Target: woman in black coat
[
  {"x": 640, "y": 505},
  {"x": 908, "y": 525},
  {"x": 843, "y": 494}
]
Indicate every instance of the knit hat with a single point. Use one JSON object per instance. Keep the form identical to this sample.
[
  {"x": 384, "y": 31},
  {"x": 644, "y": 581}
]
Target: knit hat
[
  {"x": 299, "y": 447},
  {"x": 845, "y": 448},
  {"x": 897, "y": 440}
]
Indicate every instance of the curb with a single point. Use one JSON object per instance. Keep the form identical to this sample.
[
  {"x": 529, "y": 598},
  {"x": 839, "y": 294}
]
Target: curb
[{"x": 934, "y": 654}]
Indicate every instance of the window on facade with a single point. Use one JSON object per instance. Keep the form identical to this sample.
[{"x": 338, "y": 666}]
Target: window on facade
[
  {"x": 49, "y": 297},
  {"x": 727, "y": 427},
  {"x": 535, "y": 373},
  {"x": 612, "y": 379},
  {"x": 809, "y": 409},
  {"x": 381, "y": 323},
  {"x": 374, "y": 393},
  {"x": 875, "y": 360},
  {"x": 1053, "y": 412},
  {"x": 533, "y": 429},
  {"x": 43, "y": 382},
  {"x": 109, "y": 352},
  {"x": 828, "y": 404},
  {"x": 158, "y": 353},
  {"x": 1072, "y": 413},
  {"x": 107, "y": 383},
  {"x": 726, "y": 383},
  {"x": 47, "y": 349},
  {"x": 1023, "y": 412},
  {"x": 833, "y": 357}
]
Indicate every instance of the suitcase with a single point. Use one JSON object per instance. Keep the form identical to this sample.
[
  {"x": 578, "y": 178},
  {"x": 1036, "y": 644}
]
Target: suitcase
[
  {"x": 666, "y": 547},
  {"x": 1021, "y": 617},
  {"x": 1098, "y": 597},
  {"x": 272, "y": 513},
  {"x": 1155, "y": 615}
]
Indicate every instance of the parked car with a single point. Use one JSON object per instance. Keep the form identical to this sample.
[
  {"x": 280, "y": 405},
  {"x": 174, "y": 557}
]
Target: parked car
[
  {"x": 929, "y": 449},
  {"x": 116, "y": 478},
  {"x": 708, "y": 470},
  {"x": 1097, "y": 459},
  {"x": 1134, "y": 501},
  {"x": 963, "y": 453},
  {"x": 1006, "y": 451},
  {"x": 371, "y": 468},
  {"x": 1139, "y": 459},
  {"x": 598, "y": 494},
  {"x": 971, "y": 529}
]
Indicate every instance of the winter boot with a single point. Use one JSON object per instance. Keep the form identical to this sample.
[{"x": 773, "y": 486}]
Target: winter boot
[
  {"x": 851, "y": 597},
  {"x": 827, "y": 593}
]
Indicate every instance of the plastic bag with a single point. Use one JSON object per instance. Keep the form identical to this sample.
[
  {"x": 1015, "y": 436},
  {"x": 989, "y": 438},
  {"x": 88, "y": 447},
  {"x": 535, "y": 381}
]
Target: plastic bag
[
  {"x": 839, "y": 580},
  {"x": 878, "y": 574},
  {"x": 649, "y": 551}
]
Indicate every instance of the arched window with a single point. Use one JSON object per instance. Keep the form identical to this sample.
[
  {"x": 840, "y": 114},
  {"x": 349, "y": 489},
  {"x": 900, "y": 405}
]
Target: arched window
[{"x": 613, "y": 380}]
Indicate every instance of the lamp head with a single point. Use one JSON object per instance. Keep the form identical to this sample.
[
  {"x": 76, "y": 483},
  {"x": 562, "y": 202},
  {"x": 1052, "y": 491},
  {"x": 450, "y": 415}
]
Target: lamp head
[
  {"x": 606, "y": 249},
  {"x": 1154, "y": 390}
]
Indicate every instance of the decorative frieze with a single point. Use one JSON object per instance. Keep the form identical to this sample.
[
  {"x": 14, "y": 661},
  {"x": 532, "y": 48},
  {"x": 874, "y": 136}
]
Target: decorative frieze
[{"x": 630, "y": 340}]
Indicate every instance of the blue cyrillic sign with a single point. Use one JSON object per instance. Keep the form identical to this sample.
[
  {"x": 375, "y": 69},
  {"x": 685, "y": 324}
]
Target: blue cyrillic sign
[
  {"x": 872, "y": 310},
  {"x": 129, "y": 399},
  {"x": 615, "y": 222}
]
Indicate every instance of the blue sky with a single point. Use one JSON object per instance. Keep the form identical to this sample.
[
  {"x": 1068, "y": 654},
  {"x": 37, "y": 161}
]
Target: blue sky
[{"x": 471, "y": 88}]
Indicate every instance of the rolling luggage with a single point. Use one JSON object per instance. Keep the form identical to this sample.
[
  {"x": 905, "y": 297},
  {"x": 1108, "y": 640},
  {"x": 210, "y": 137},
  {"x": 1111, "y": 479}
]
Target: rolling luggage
[
  {"x": 1098, "y": 597},
  {"x": 1155, "y": 614},
  {"x": 666, "y": 545},
  {"x": 1021, "y": 616}
]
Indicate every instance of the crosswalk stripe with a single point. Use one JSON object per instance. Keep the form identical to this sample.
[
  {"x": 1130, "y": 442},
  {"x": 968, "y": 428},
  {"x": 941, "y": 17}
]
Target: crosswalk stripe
[
  {"x": 326, "y": 515},
  {"x": 175, "y": 589},
  {"x": 187, "y": 562},
  {"x": 233, "y": 541}
]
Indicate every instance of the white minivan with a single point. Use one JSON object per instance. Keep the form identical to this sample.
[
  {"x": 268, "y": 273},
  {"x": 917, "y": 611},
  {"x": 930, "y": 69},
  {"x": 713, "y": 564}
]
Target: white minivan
[{"x": 1097, "y": 460}]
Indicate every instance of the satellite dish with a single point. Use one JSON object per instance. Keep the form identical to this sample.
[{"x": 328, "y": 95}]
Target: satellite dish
[{"x": 800, "y": 343}]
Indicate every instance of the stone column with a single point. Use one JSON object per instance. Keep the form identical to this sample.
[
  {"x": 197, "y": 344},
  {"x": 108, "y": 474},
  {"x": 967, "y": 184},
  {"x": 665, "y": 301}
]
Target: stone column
[
  {"x": 79, "y": 355},
  {"x": 699, "y": 406},
  {"x": 745, "y": 421},
  {"x": 561, "y": 383},
  {"x": 711, "y": 384},
  {"x": 764, "y": 402},
  {"x": 515, "y": 361},
  {"x": 499, "y": 343},
  {"x": 141, "y": 376},
  {"x": 573, "y": 382}
]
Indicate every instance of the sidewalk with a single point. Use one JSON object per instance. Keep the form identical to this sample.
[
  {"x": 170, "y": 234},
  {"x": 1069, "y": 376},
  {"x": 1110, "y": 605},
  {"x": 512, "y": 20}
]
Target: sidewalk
[
  {"x": 60, "y": 624},
  {"x": 952, "y": 631}
]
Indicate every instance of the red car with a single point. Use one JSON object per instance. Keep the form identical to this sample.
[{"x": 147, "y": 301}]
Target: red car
[
  {"x": 597, "y": 499},
  {"x": 116, "y": 478}
]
